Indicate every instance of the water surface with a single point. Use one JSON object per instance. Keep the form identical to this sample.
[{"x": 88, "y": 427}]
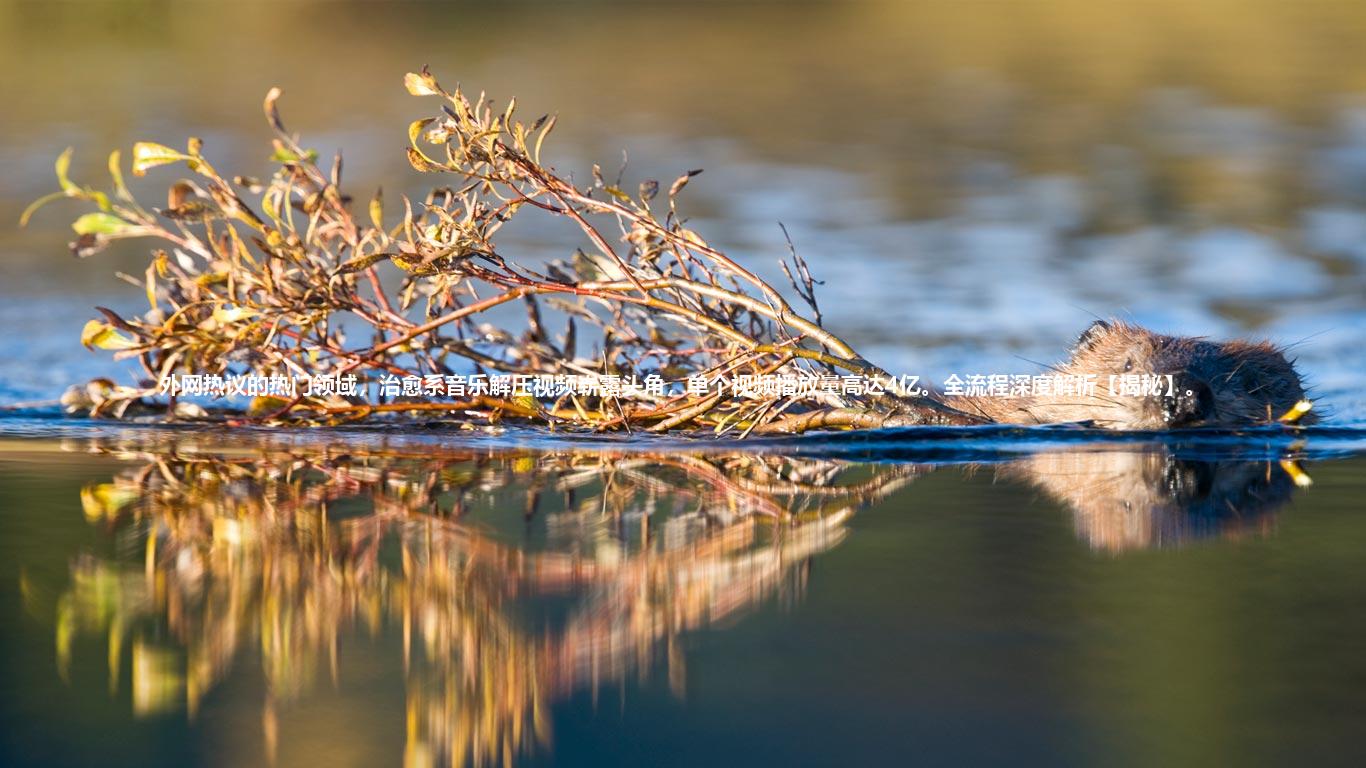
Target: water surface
[{"x": 369, "y": 598}]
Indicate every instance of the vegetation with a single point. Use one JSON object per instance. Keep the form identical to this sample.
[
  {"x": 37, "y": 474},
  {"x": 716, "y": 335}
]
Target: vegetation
[{"x": 281, "y": 278}]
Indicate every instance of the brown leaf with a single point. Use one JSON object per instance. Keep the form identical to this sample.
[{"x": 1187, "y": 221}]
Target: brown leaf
[{"x": 682, "y": 181}]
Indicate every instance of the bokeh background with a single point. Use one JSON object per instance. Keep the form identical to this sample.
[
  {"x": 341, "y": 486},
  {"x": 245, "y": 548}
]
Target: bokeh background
[{"x": 973, "y": 180}]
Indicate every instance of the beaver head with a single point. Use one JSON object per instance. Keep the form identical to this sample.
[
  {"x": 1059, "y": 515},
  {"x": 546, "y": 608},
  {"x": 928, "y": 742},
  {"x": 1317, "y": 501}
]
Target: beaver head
[
  {"x": 1232, "y": 383},
  {"x": 1223, "y": 384}
]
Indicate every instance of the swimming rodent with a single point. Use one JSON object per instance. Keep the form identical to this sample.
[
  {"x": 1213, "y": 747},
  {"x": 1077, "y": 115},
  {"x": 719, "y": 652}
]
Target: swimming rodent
[{"x": 1224, "y": 384}]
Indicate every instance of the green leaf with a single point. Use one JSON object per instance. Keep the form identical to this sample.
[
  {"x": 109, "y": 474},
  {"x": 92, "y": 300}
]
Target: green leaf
[
  {"x": 285, "y": 155},
  {"x": 148, "y": 154},
  {"x": 100, "y": 224},
  {"x": 36, "y": 204}
]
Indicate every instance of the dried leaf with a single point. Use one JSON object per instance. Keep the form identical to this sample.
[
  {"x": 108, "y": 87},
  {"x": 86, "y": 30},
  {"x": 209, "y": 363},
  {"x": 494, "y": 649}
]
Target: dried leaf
[
  {"x": 363, "y": 262},
  {"x": 681, "y": 182},
  {"x": 377, "y": 209},
  {"x": 421, "y": 84},
  {"x": 420, "y": 162},
  {"x": 115, "y": 320},
  {"x": 88, "y": 245},
  {"x": 272, "y": 112},
  {"x": 194, "y": 209},
  {"x": 178, "y": 194}
]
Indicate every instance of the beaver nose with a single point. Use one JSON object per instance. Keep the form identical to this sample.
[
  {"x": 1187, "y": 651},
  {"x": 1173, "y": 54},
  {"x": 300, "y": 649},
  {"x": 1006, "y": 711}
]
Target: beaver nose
[{"x": 1192, "y": 403}]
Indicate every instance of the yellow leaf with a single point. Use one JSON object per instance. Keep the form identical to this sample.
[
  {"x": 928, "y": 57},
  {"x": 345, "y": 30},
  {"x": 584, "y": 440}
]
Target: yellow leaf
[
  {"x": 420, "y": 162},
  {"x": 415, "y": 128},
  {"x": 63, "y": 165},
  {"x": 105, "y": 500},
  {"x": 120, "y": 188},
  {"x": 422, "y": 84},
  {"x": 148, "y": 154},
  {"x": 102, "y": 335},
  {"x": 265, "y": 405},
  {"x": 377, "y": 210},
  {"x": 362, "y": 262}
]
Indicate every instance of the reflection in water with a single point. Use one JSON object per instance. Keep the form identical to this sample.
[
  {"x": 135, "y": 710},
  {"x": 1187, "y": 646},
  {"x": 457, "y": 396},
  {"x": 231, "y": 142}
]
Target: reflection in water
[
  {"x": 290, "y": 551},
  {"x": 1138, "y": 499}
]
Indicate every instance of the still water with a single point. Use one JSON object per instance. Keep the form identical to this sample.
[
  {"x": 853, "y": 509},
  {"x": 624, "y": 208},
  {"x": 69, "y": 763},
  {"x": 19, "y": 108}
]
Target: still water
[
  {"x": 367, "y": 599},
  {"x": 973, "y": 181}
]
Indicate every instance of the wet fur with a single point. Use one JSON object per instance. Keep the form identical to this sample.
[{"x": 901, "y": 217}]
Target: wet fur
[{"x": 1240, "y": 383}]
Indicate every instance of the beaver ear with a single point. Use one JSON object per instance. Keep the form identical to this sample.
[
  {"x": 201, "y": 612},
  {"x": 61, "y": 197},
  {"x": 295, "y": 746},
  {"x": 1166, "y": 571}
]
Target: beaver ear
[{"x": 1091, "y": 335}]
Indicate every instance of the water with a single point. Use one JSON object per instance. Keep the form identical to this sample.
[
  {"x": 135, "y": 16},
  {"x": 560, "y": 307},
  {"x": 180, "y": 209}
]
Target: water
[
  {"x": 973, "y": 183},
  {"x": 372, "y": 597}
]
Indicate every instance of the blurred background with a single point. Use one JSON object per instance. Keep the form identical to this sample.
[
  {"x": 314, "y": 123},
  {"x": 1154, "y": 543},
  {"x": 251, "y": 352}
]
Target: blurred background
[{"x": 973, "y": 180}]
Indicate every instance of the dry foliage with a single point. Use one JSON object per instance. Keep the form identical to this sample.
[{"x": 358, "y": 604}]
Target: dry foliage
[{"x": 281, "y": 278}]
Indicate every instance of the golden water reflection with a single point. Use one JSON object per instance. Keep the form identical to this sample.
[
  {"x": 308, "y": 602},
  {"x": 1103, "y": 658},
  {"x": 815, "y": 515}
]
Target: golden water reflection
[{"x": 291, "y": 551}]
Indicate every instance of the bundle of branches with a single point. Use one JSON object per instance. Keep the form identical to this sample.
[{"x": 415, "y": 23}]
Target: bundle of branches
[{"x": 292, "y": 285}]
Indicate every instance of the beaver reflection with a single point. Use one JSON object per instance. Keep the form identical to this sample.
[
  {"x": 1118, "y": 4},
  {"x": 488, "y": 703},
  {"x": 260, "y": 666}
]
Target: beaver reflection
[{"x": 1153, "y": 498}]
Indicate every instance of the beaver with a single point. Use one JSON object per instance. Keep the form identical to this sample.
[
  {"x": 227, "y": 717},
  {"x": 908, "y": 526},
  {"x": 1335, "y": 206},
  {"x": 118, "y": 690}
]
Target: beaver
[{"x": 1221, "y": 384}]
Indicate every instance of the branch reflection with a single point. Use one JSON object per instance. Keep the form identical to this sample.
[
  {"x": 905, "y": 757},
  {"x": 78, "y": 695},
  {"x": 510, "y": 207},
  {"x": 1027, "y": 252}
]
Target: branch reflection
[
  {"x": 518, "y": 578},
  {"x": 287, "y": 551}
]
